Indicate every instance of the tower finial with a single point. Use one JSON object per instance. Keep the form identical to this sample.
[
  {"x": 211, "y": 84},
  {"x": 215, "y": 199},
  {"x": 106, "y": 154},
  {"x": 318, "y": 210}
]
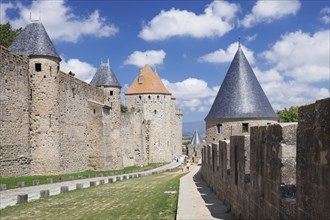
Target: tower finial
[{"x": 239, "y": 42}]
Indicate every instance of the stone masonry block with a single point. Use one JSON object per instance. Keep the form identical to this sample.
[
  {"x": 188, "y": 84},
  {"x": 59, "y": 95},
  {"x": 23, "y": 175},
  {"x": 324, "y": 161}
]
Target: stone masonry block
[
  {"x": 61, "y": 179},
  {"x": 64, "y": 189},
  {"x": 22, "y": 198},
  {"x": 110, "y": 180},
  {"x": 101, "y": 182},
  {"x": 49, "y": 180},
  {"x": 3, "y": 187},
  {"x": 79, "y": 186},
  {"x": 92, "y": 183},
  {"x": 44, "y": 193},
  {"x": 71, "y": 178},
  {"x": 36, "y": 182},
  {"x": 20, "y": 184}
]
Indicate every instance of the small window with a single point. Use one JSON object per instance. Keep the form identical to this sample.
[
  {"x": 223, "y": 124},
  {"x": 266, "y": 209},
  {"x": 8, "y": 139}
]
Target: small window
[
  {"x": 158, "y": 97},
  {"x": 268, "y": 123},
  {"x": 245, "y": 127},
  {"x": 44, "y": 76},
  {"x": 111, "y": 92},
  {"x": 6, "y": 81},
  {"x": 140, "y": 97},
  {"x": 140, "y": 79},
  {"x": 38, "y": 67},
  {"x": 149, "y": 97},
  {"x": 219, "y": 128},
  {"x": 155, "y": 111},
  {"x": 94, "y": 111}
]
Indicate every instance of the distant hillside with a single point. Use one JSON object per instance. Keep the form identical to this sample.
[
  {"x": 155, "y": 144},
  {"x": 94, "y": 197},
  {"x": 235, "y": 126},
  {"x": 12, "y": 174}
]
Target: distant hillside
[{"x": 190, "y": 127}]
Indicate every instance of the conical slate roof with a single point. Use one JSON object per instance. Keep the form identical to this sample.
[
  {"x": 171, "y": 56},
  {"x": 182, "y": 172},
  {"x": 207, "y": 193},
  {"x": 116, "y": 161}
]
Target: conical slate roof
[
  {"x": 34, "y": 40},
  {"x": 104, "y": 76},
  {"x": 240, "y": 95},
  {"x": 147, "y": 82},
  {"x": 196, "y": 139}
]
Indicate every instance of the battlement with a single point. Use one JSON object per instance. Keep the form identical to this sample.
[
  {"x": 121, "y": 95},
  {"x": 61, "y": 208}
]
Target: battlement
[{"x": 255, "y": 175}]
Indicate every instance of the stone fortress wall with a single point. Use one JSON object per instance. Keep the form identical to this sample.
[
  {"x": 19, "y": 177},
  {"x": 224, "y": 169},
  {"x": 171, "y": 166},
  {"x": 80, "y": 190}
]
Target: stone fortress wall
[
  {"x": 53, "y": 123},
  {"x": 15, "y": 152},
  {"x": 279, "y": 171}
]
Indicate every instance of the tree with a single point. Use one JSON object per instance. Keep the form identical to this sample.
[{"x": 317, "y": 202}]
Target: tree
[
  {"x": 288, "y": 115},
  {"x": 123, "y": 108},
  {"x": 8, "y": 34}
]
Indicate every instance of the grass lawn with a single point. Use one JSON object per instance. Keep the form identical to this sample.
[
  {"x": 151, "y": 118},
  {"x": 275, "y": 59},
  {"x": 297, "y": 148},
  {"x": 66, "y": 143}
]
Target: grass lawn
[
  {"x": 28, "y": 180},
  {"x": 151, "y": 197}
]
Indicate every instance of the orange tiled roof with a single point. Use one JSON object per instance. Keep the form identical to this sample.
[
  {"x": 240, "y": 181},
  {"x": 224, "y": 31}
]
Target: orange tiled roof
[{"x": 147, "y": 82}]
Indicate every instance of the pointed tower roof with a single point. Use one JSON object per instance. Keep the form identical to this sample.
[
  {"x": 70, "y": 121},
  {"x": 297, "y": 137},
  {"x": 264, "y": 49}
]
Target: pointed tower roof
[
  {"x": 34, "y": 41},
  {"x": 240, "y": 95},
  {"x": 196, "y": 139},
  {"x": 147, "y": 82},
  {"x": 104, "y": 76}
]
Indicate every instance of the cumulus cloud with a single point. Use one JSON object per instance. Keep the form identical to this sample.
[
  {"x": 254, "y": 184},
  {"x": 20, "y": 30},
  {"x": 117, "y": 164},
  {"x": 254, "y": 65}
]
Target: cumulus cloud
[
  {"x": 325, "y": 12},
  {"x": 151, "y": 57},
  {"x": 192, "y": 93},
  {"x": 302, "y": 56},
  {"x": 268, "y": 11},
  {"x": 227, "y": 55},
  {"x": 300, "y": 61},
  {"x": 216, "y": 21},
  {"x": 82, "y": 70},
  {"x": 61, "y": 22}
]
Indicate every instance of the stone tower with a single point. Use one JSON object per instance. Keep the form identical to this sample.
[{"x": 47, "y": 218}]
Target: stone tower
[
  {"x": 107, "y": 80},
  {"x": 35, "y": 43},
  {"x": 195, "y": 146},
  {"x": 239, "y": 104},
  {"x": 148, "y": 95}
]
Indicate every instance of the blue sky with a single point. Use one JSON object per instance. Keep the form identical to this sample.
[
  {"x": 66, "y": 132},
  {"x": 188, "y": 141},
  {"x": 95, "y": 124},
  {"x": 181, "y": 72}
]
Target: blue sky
[{"x": 191, "y": 43}]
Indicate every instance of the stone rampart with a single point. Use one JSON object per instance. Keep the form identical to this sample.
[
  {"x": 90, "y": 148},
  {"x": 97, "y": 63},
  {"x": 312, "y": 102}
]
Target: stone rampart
[
  {"x": 313, "y": 161},
  {"x": 15, "y": 152},
  {"x": 250, "y": 173},
  {"x": 280, "y": 171}
]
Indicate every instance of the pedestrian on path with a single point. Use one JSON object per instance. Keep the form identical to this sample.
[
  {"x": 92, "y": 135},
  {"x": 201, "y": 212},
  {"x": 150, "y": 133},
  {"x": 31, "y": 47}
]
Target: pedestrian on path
[{"x": 188, "y": 165}]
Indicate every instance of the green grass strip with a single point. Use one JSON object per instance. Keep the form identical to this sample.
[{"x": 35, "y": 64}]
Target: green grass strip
[
  {"x": 151, "y": 197},
  {"x": 11, "y": 182}
]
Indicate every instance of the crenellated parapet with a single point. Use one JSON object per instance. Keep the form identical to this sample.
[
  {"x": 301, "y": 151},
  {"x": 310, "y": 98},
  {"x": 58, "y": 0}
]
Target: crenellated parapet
[{"x": 271, "y": 173}]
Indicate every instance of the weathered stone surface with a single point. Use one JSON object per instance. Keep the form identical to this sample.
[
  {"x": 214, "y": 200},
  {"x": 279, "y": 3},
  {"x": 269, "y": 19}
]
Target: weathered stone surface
[
  {"x": 61, "y": 179},
  {"x": 110, "y": 180},
  {"x": 49, "y": 180},
  {"x": 54, "y": 123},
  {"x": 22, "y": 198},
  {"x": 36, "y": 182},
  {"x": 64, "y": 189},
  {"x": 313, "y": 161},
  {"x": 101, "y": 182},
  {"x": 79, "y": 186},
  {"x": 3, "y": 187},
  {"x": 44, "y": 193},
  {"x": 71, "y": 178},
  {"x": 92, "y": 183}
]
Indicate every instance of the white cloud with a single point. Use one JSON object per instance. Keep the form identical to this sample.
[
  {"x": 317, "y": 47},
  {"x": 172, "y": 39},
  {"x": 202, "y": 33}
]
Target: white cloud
[
  {"x": 326, "y": 15},
  {"x": 225, "y": 56},
  {"x": 268, "y": 11},
  {"x": 59, "y": 20},
  {"x": 82, "y": 70},
  {"x": 151, "y": 57},
  {"x": 192, "y": 93},
  {"x": 251, "y": 38},
  {"x": 302, "y": 56},
  {"x": 214, "y": 22}
]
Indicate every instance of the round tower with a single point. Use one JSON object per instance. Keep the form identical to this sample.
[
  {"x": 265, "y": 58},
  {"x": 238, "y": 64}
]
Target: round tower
[
  {"x": 148, "y": 95},
  {"x": 240, "y": 103},
  {"x": 107, "y": 80},
  {"x": 35, "y": 43}
]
